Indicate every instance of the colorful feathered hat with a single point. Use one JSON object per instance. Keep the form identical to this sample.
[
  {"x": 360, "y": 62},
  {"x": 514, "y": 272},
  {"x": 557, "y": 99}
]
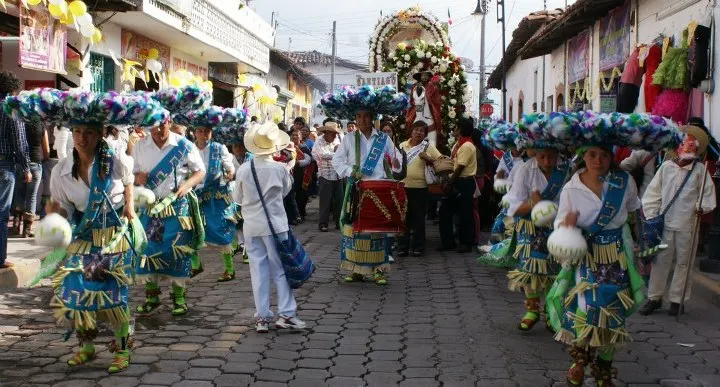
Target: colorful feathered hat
[
  {"x": 636, "y": 130},
  {"x": 345, "y": 103},
  {"x": 184, "y": 99},
  {"x": 553, "y": 130},
  {"x": 79, "y": 107},
  {"x": 499, "y": 134}
]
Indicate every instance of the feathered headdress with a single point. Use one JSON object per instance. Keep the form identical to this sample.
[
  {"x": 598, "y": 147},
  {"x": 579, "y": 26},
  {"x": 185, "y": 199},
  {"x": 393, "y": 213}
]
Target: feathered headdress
[
  {"x": 553, "y": 130},
  {"x": 499, "y": 134},
  {"x": 635, "y": 130},
  {"x": 184, "y": 99},
  {"x": 345, "y": 103}
]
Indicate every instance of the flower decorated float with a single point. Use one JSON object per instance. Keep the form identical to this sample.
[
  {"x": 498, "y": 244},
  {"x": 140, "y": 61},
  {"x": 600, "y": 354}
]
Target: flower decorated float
[{"x": 415, "y": 44}]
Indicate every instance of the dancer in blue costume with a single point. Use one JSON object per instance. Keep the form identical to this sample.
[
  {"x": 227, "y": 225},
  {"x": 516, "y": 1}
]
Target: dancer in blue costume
[
  {"x": 218, "y": 209},
  {"x": 594, "y": 294},
  {"x": 240, "y": 156},
  {"x": 93, "y": 188},
  {"x": 172, "y": 227},
  {"x": 361, "y": 156},
  {"x": 540, "y": 178}
]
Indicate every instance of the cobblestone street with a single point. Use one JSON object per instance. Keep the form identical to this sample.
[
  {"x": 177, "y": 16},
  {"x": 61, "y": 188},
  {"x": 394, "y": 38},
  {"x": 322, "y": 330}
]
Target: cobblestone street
[{"x": 443, "y": 320}]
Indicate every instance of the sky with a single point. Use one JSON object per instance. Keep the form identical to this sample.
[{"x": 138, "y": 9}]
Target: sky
[{"x": 309, "y": 24}]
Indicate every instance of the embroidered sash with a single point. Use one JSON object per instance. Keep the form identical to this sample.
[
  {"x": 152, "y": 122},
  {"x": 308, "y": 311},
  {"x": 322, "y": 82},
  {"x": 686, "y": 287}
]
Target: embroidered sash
[
  {"x": 416, "y": 150},
  {"x": 617, "y": 184},
  {"x": 96, "y": 198},
  {"x": 168, "y": 164},
  {"x": 509, "y": 160},
  {"x": 214, "y": 159},
  {"x": 374, "y": 156},
  {"x": 555, "y": 183}
]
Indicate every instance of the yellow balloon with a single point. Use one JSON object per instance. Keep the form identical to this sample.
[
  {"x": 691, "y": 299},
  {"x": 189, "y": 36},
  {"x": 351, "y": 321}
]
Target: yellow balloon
[
  {"x": 33, "y": 2},
  {"x": 207, "y": 85},
  {"x": 56, "y": 11},
  {"x": 97, "y": 36},
  {"x": 257, "y": 87},
  {"x": 77, "y": 8},
  {"x": 153, "y": 53},
  {"x": 65, "y": 18},
  {"x": 174, "y": 82}
]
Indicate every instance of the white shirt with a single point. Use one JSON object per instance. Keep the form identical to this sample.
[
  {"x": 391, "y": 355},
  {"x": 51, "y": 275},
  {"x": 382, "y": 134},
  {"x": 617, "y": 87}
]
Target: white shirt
[
  {"x": 63, "y": 142},
  {"x": 275, "y": 185},
  {"x": 636, "y": 160},
  {"x": 510, "y": 173},
  {"x": 576, "y": 196},
  {"x": 323, "y": 154},
  {"x": 666, "y": 183},
  {"x": 344, "y": 159},
  {"x": 73, "y": 194},
  {"x": 226, "y": 160},
  {"x": 527, "y": 179},
  {"x": 147, "y": 155}
]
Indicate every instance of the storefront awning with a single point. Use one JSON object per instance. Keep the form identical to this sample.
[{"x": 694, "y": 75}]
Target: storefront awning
[{"x": 581, "y": 15}]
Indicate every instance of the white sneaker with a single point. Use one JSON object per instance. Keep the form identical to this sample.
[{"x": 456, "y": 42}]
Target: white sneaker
[
  {"x": 262, "y": 325},
  {"x": 484, "y": 248},
  {"x": 285, "y": 322},
  {"x": 391, "y": 259}
]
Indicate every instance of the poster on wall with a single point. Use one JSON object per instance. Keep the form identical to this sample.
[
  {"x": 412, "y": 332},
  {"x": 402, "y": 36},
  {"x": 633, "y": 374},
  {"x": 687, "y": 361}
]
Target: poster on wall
[
  {"x": 194, "y": 69},
  {"x": 43, "y": 41},
  {"x": 615, "y": 37},
  {"x": 578, "y": 64},
  {"x": 137, "y": 47}
]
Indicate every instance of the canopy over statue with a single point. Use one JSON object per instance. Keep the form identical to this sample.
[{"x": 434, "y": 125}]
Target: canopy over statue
[{"x": 415, "y": 44}]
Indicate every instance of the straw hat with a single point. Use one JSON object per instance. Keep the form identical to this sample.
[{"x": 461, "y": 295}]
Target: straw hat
[
  {"x": 265, "y": 139},
  {"x": 418, "y": 74},
  {"x": 329, "y": 127},
  {"x": 699, "y": 134}
]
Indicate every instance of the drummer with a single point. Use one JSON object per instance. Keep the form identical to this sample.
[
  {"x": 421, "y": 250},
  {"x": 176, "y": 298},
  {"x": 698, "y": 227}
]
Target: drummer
[{"x": 369, "y": 164}]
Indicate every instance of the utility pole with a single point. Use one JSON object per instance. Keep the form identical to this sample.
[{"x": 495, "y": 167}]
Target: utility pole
[
  {"x": 334, "y": 53},
  {"x": 501, "y": 19},
  {"x": 481, "y": 9},
  {"x": 289, "y": 44},
  {"x": 542, "y": 99}
]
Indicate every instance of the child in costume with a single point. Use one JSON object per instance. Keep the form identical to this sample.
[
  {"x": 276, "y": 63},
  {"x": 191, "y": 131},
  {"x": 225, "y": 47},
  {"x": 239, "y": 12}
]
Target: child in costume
[
  {"x": 361, "y": 157},
  {"x": 215, "y": 194},
  {"x": 174, "y": 229},
  {"x": 234, "y": 138},
  {"x": 598, "y": 290},
  {"x": 91, "y": 187},
  {"x": 540, "y": 178}
]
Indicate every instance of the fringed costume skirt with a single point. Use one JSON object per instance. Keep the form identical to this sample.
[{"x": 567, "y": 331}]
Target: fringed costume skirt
[
  {"x": 536, "y": 269},
  {"x": 363, "y": 253},
  {"x": 219, "y": 213}
]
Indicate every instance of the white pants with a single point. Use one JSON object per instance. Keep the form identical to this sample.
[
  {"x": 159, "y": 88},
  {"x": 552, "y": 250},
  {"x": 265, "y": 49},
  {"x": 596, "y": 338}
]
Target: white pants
[
  {"x": 266, "y": 267},
  {"x": 679, "y": 246}
]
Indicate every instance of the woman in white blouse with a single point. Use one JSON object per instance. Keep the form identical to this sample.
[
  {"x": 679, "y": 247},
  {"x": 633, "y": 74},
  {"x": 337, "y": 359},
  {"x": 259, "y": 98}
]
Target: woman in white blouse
[
  {"x": 602, "y": 288},
  {"x": 540, "y": 178},
  {"x": 93, "y": 285}
]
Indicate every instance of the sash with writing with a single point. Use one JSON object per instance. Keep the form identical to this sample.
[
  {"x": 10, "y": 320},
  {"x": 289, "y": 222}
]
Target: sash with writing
[
  {"x": 555, "y": 183},
  {"x": 617, "y": 184},
  {"x": 167, "y": 165},
  {"x": 416, "y": 150},
  {"x": 96, "y": 199},
  {"x": 214, "y": 162},
  {"x": 374, "y": 156},
  {"x": 509, "y": 160}
]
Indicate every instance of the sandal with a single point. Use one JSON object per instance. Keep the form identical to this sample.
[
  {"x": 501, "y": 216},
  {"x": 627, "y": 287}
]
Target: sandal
[
  {"x": 196, "y": 272},
  {"x": 179, "y": 309},
  {"x": 81, "y": 357},
  {"x": 225, "y": 277},
  {"x": 380, "y": 279},
  {"x": 354, "y": 277},
  {"x": 120, "y": 362},
  {"x": 147, "y": 307},
  {"x": 528, "y": 321}
]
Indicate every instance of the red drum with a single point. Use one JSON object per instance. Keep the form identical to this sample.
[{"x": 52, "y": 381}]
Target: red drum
[{"x": 381, "y": 207}]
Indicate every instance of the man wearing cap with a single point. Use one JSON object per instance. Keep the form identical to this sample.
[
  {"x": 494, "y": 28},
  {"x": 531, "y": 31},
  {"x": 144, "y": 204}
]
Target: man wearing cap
[
  {"x": 330, "y": 185},
  {"x": 258, "y": 227},
  {"x": 679, "y": 218},
  {"x": 425, "y": 104}
]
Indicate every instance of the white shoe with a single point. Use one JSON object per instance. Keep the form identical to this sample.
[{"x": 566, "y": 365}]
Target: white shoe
[
  {"x": 285, "y": 322},
  {"x": 262, "y": 325},
  {"x": 484, "y": 249},
  {"x": 391, "y": 259}
]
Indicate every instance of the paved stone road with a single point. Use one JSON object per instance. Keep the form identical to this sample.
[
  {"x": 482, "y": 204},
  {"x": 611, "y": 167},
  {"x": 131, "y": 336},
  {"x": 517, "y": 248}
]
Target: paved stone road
[{"x": 442, "y": 320}]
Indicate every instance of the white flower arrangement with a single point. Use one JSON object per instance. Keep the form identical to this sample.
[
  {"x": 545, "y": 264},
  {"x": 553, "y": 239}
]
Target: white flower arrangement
[
  {"x": 453, "y": 101},
  {"x": 406, "y": 57},
  {"x": 452, "y": 114}
]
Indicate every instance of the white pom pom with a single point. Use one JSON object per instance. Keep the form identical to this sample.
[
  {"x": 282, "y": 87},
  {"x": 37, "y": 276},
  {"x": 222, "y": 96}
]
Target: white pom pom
[
  {"x": 543, "y": 213},
  {"x": 567, "y": 245},
  {"x": 501, "y": 186},
  {"x": 143, "y": 197},
  {"x": 53, "y": 231}
]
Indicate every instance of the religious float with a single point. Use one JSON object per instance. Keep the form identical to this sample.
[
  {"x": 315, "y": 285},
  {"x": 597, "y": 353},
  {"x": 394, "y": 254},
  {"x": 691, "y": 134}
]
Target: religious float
[{"x": 416, "y": 45}]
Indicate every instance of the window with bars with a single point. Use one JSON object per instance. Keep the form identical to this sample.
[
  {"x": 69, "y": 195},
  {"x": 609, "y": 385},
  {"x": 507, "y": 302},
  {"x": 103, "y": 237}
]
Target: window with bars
[{"x": 102, "y": 69}]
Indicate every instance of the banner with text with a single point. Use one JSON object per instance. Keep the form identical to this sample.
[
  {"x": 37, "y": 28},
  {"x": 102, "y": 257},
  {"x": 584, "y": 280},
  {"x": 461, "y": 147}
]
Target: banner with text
[
  {"x": 137, "y": 47},
  {"x": 43, "y": 41},
  {"x": 615, "y": 37},
  {"x": 578, "y": 63},
  {"x": 377, "y": 80}
]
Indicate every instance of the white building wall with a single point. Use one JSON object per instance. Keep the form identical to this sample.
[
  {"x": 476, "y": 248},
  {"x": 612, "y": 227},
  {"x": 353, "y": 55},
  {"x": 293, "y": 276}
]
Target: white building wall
[
  {"x": 343, "y": 75},
  {"x": 520, "y": 80}
]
